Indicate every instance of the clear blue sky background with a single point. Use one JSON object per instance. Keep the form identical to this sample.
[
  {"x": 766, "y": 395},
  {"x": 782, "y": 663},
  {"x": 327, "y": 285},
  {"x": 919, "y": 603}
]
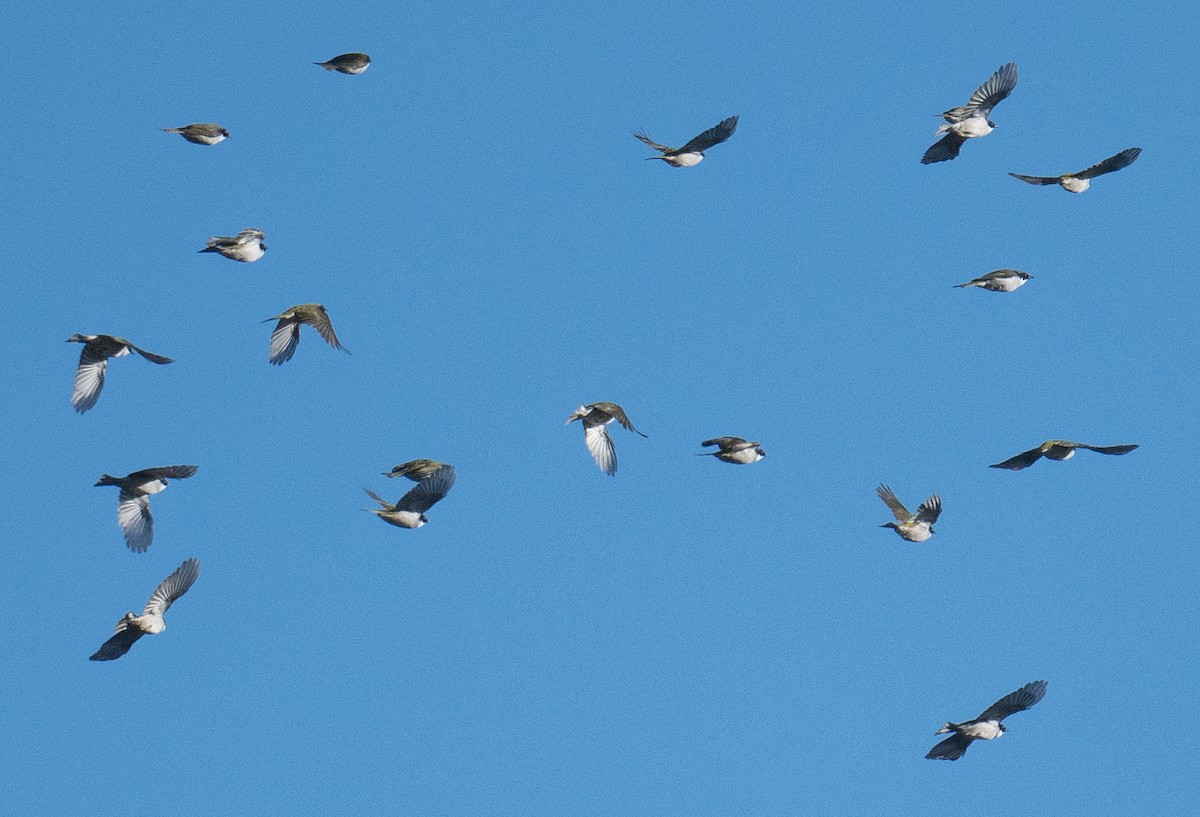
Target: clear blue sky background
[{"x": 688, "y": 638}]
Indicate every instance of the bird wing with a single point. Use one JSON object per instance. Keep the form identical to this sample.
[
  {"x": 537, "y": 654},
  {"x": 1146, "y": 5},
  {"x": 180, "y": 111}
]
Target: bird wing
[
  {"x": 319, "y": 320},
  {"x": 646, "y": 140},
  {"x": 944, "y": 149},
  {"x": 952, "y": 748},
  {"x": 1123, "y": 159},
  {"x": 150, "y": 356},
  {"x": 165, "y": 472},
  {"x": 118, "y": 644},
  {"x": 89, "y": 380},
  {"x": 930, "y": 509},
  {"x": 386, "y": 505},
  {"x": 1018, "y": 701},
  {"x": 713, "y": 136},
  {"x": 619, "y": 413},
  {"x": 1022, "y": 460},
  {"x": 1036, "y": 179},
  {"x": 601, "y": 447},
  {"x": 428, "y": 492},
  {"x": 283, "y": 342},
  {"x": 133, "y": 515},
  {"x": 247, "y": 235},
  {"x": 998, "y": 86},
  {"x": 1108, "y": 449},
  {"x": 172, "y": 587},
  {"x": 898, "y": 510},
  {"x": 727, "y": 443}
]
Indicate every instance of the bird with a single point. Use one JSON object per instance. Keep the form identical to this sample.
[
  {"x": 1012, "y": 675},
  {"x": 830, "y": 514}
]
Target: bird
[
  {"x": 409, "y": 511},
  {"x": 971, "y": 120},
  {"x": 1078, "y": 182},
  {"x": 416, "y": 470},
  {"x": 246, "y": 246},
  {"x": 132, "y": 627},
  {"x": 352, "y": 63},
  {"x": 201, "y": 133},
  {"x": 988, "y": 725},
  {"x": 693, "y": 152},
  {"x": 595, "y": 417},
  {"x": 133, "y": 508},
  {"x": 912, "y": 528},
  {"x": 1001, "y": 280},
  {"x": 1057, "y": 450},
  {"x": 287, "y": 332},
  {"x": 735, "y": 450},
  {"x": 93, "y": 361}
]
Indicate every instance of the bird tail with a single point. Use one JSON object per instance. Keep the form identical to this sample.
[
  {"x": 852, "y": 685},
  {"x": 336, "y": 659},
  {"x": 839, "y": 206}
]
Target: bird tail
[
  {"x": 948, "y": 726},
  {"x": 956, "y": 286},
  {"x": 105, "y": 479}
]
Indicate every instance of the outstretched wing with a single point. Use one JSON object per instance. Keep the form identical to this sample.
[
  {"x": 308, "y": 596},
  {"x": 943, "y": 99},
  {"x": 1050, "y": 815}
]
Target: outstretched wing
[
  {"x": 898, "y": 510},
  {"x": 943, "y": 150},
  {"x": 1023, "y": 460},
  {"x": 930, "y": 509},
  {"x": 1018, "y": 701},
  {"x": 89, "y": 380},
  {"x": 727, "y": 443},
  {"x": 1108, "y": 449},
  {"x": 601, "y": 447},
  {"x": 172, "y": 587},
  {"x": 952, "y": 748},
  {"x": 998, "y": 86},
  {"x": 645, "y": 139},
  {"x": 1036, "y": 179},
  {"x": 713, "y": 136},
  {"x": 133, "y": 515},
  {"x": 319, "y": 320},
  {"x": 283, "y": 342},
  {"x": 118, "y": 644},
  {"x": 619, "y": 413},
  {"x": 428, "y": 492},
  {"x": 1123, "y": 159}
]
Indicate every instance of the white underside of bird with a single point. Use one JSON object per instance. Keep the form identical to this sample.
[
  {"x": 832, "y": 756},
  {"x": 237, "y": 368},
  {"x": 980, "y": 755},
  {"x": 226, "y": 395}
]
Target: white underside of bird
[
  {"x": 682, "y": 159},
  {"x": 987, "y": 730},
  {"x": 969, "y": 128},
  {"x": 401, "y": 519},
  {"x": 743, "y": 457},
  {"x": 1075, "y": 185}
]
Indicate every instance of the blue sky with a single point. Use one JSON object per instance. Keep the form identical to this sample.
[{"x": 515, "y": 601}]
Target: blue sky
[{"x": 689, "y": 637}]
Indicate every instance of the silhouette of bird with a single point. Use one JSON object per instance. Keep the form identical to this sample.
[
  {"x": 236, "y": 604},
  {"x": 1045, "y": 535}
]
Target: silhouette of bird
[
  {"x": 416, "y": 470},
  {"x": 353, "y": 63},
  {"x": 93, "y": 362},
  {"x": 1078, "y": 182},
  {"x": 133, "y": 508},
  {"x": 202, "y": 133},
  {"x": 286, "y": 335},
  {"x": 595, "y": 417},
  {"x": 132, "y": 627},
  {"x": 971, "y": 121},
  {"x": 1057, "y": 450},
  {"x": 409, "y": 511},
  {"x": 246, "y": 246},
  {"x": 734, "y": 450},
  {"x": 693, "y": 152},
  {"x": 914, "y": 528},
  {"x": 988, "y": 725},
  {"x": 1001, "y": 280}
]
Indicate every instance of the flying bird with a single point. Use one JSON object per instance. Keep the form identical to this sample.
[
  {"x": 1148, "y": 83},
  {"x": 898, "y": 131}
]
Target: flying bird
[
  {"x": 971, "y": 120},
  {"x": 416, "y": 470},
  {"x": 246, "y": 246},
  {"x": 1078, "y": 182},
  {"x": 1057, "y": 450},
  {"x": 987, "y": 726},
  {"x": 693, "y": 152},
  {"x": 202, "y": 133},
  {"x": 409, "y": 511},
  {"x": 595, "y": 417},
  {"x": 132, "y": 627},
  {"x": 133, "y": 508},
  {"x": 93, "y": 361},
  {"x": 287, "y": 332},
  {"x": 913, "y": 528},
  {"x": 735, "y": 450},
  {"x": 352, "y": 63},
  {"x": 1001, "y": 280}
]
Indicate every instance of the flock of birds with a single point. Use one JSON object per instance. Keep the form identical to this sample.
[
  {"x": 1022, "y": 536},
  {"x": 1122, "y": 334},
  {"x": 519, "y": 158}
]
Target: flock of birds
[{"x": 434, "y": 479}]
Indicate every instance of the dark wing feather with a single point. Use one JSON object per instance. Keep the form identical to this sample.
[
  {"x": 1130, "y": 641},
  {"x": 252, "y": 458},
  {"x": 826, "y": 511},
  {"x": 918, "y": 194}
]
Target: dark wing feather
[
  {"x": 428, "y": 491},
  {"x": 118, "y": 644},
  {"x": 646, "y": 140},
  {"x": 713, "y": 136},
  {"x": 952, "y": 748},
  {"x": 1013, "y": 702},
  {"x": 945, "y": 149},
  {"x": 319, "y": 320},
  {"x": 1108, "y": 449},
  {"x": 930, "y": 510},
  {"x": 619, "y": 413},
  {"x": 998, "y": 86},
  {"x": 1036, "y": 179},
  {"x": 1123, "y": 159},
  {"x": 166, "y": 472},
  {"x": 1020, "y": 461}
]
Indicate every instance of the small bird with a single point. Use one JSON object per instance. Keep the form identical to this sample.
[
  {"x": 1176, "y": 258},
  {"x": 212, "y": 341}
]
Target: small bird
[
  {"x": 1078, "y": 182},
  {"x": 416, "y": 470},
  {"x": 132, "y": 627},
  {"x": 202, "y": 133},
  {"x": 93, "y": 361},
  {"x": 1057, "y": 450},
  {"x": 735, "y": 450},
  {"x": 595, "y": 417},
  {"x": 693, "y": 152},
  {"x": 1001, "y": 280},
  {"x": 286, "y": 335},
  {"x": 246, "y": 246},
  {"x": 409, "y": 511},
  {"x": 971, "y": 120},
  {"x": 987, "y": 726},
  {"x": 912, "y": 528},
  {"x": 133, "y": 508},
  {"x": 352, "y": 63}
]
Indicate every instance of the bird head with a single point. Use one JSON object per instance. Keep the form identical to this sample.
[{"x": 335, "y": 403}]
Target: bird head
[{"x": 991, "y": 124}]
